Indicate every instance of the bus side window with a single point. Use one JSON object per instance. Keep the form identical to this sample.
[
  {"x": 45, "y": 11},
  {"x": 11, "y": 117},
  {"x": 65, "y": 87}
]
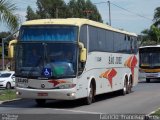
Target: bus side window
[{"x": 83, "y": 35}]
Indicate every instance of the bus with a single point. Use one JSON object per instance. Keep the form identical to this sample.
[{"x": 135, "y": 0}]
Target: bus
[
  {"x": 73, "y": 58},
  {"x": 150, "y": 62}
]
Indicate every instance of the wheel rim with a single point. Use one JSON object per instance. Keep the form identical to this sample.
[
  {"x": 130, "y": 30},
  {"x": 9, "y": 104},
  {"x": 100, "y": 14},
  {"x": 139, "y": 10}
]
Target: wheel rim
[
  {"x": 130, "y": 86},
  {"x": 125, "y": 88},
  {"x": 91, "y": 93},
  {"x": 90, "y": 96}
]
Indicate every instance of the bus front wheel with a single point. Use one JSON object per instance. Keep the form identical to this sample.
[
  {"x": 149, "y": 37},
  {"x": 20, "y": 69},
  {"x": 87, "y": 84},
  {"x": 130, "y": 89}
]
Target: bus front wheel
[
  {"x": 90, "y": 97},
  {"x": 40, "y": 102},
  {"x": 129, "y": 86}
]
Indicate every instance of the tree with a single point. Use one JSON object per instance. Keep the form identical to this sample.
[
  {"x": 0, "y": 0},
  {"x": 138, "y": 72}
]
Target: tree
[
  {"x": 76, "y": 8},
  {"x": 7, "y": 15},
  {"x": 51, "y": 9},
  {"x": 151, "y": 36},
  {"x": 84, "y": 9},
  {"x": 59, "y": 9},
  {"x": 157, "y": 16},
  {"x": 147, "y": 37},
  {"x": 95, "y": 13},
  {"x": 31, "y": 15},
  {"x": 156, "y": 32},
  {"x": 4, "y": 35}
]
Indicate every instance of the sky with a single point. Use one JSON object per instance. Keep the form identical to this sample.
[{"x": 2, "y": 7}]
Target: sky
[{"x": 129, "y": 21}]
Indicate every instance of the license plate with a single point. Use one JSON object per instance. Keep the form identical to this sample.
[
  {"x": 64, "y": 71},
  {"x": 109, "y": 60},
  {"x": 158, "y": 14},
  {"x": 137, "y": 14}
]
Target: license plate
[
  {"x": 22, "y": 80},
  {"x": 42, "y": 94}
]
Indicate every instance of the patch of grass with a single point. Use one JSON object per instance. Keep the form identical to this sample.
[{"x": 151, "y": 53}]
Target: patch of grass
[
  {"x": 157, "y": 113},
  {"x": 7, "y": 95}
]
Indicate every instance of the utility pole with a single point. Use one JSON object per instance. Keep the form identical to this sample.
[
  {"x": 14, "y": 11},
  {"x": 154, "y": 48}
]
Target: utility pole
[
  {"x": 109, "y": 4},
  {"x": 3, "y": 39}
]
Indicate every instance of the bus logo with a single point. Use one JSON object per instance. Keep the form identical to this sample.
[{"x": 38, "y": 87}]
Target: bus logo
[
  {"x": 109, "y": 74},
  {"x": 131, "y": 63},
  {"x": 42, "y": 86}
]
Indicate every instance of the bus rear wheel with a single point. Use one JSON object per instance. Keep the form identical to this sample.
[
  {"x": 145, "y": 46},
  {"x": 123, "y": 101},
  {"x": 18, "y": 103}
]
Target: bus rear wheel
[
  {"x": 90, "y": 98},
  {"x": 40, "y": 102},
  {"x": 129, "y": 86},
  {"x": 125, "y": 88}
]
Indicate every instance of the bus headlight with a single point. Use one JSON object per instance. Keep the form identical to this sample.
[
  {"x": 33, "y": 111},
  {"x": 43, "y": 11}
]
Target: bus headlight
[{"x": 66, "y": 86}]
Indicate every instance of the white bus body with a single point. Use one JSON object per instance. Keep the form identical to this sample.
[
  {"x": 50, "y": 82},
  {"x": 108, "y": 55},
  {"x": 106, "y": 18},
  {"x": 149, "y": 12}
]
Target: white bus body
[{"x": 110, "y": 65}]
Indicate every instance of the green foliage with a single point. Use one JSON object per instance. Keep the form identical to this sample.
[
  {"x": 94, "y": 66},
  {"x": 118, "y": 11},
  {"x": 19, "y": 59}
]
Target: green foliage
[
  {"x": 59, "y": 9},
  {"x": 7, "y": 15},
  {"x": 4, "y": 35},
  {"x": 156, "y": 32},
  {"x": 84, "y": 9},
  {"x": 152, "y": 35},
  {"x": 31, "y": 15},
  {"x": 157, "y": 113},
  {"x": 157, "y": 16},
  {"x": 51, "y": 8}
]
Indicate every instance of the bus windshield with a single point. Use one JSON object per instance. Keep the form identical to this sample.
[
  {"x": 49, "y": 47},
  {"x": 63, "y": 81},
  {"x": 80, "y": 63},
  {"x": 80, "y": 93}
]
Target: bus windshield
[
  {"x": 48, "y": 33},
  {"x": 57, "y": 59},
  {"x": 149, "y": 57}
]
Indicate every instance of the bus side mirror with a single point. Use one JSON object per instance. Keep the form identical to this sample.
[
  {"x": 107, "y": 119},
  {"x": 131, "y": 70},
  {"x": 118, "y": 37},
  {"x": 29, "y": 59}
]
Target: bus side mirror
[
  {"x": 11, "y": 48},
  {"x": 83, "y": 52},
  {"x": 83, "y": 55}
]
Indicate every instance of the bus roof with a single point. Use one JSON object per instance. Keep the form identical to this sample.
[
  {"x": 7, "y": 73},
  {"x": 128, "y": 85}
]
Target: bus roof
[
  {"x": 151, "y": 46},
  {"x": 76, "y": 22}
]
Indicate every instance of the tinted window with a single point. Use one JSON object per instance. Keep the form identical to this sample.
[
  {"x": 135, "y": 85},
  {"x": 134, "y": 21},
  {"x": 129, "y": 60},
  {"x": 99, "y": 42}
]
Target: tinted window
[
  {"x": 5, "y": 75},
  {"x": 93, "y": 39},
  {"x": 34, "y": 58},
  {"x": 108, "y": 41},
  {"x": 149, "y": 57},
  {"x": 83, "y": 35},
  {"x": 48, "y": 33},
  {"x": 120, "y": 43}
]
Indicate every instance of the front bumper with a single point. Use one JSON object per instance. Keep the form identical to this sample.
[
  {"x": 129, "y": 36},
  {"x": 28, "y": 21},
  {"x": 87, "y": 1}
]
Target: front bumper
[
  {"x": 152, "y": 75},
  {"x": 59, "y": 94}
]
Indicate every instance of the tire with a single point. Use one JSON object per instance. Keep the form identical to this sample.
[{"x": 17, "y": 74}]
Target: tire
[
  {"x": 90, "y": 98},
  {"x": 125, "y": 88},
  {"x": 8, "y": 85},
  {"x": 129, "y": 86},
  {"x": 148, "y": 80},
  {"x": 40, "y": 102}
]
